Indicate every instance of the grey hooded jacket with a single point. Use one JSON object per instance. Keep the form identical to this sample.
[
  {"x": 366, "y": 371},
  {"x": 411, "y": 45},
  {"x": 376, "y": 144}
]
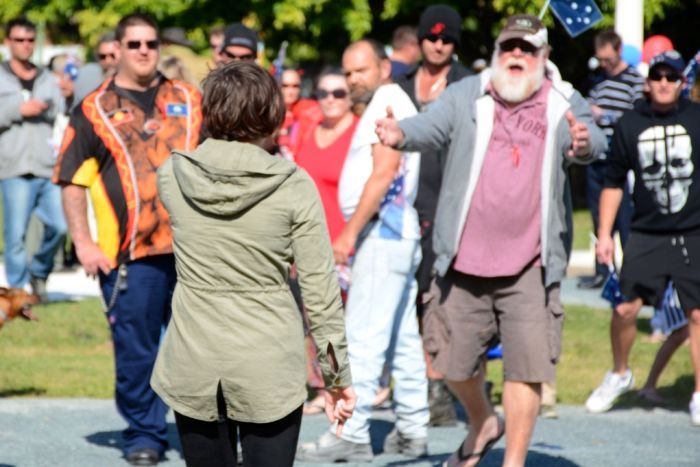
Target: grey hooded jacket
[
  {"x": 462, "y": 118},
  {"x": 25, "y": 147}
]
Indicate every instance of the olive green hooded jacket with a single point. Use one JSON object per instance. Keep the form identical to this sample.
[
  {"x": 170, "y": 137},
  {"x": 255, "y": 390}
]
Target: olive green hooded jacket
[{"x": 240, "y": 219}]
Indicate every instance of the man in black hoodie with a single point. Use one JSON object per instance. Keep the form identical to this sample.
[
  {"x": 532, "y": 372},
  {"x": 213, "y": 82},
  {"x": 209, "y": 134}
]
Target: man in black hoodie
[
  {"x": 659, "y": 140},
  {"x": 439, "y": 38}
]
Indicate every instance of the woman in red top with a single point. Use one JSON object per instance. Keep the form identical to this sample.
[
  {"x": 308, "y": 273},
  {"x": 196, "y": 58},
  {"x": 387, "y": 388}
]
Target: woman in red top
[
  {"x": 322, "y": 154},
  {"x": 323, "y": 151}
]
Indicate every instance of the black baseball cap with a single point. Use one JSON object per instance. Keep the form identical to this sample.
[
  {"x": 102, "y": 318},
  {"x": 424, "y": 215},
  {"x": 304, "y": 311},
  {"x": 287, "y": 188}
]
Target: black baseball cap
[{"x": 240, "y": 35}]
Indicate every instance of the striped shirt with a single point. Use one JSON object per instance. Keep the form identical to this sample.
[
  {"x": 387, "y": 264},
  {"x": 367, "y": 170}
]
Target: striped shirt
[{"x": 614, "y": 95}]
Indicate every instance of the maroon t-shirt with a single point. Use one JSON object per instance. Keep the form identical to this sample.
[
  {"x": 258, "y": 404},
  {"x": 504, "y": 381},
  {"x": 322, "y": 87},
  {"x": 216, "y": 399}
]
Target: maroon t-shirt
[{"x": 502, "y": 232}]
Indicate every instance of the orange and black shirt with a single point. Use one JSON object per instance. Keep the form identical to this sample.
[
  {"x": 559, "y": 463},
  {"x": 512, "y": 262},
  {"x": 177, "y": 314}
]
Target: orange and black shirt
[{"x": 114, "y": 144}]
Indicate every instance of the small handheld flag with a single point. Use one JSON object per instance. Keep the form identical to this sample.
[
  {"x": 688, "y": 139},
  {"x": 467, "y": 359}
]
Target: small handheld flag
[{"x": 576, "y": 16}]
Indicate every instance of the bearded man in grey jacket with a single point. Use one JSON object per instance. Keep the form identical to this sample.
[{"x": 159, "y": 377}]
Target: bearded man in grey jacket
[
  {"x": 503, "y": 227},
  {"x": 29, "y": 101}
]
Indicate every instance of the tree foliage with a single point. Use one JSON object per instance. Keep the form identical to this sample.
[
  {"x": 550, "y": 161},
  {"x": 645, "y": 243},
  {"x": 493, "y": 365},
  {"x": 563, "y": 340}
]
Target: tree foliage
[{"x": 315, "y": 29}]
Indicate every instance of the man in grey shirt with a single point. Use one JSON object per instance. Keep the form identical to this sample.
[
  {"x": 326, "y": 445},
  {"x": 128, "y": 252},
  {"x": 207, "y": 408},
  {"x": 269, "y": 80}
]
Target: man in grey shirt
[{"x": 29, "y": 102}]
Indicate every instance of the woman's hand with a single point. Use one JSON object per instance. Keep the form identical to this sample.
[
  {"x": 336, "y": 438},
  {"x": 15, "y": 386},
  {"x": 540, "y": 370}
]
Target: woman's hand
[{"x": 340, "y": 403}]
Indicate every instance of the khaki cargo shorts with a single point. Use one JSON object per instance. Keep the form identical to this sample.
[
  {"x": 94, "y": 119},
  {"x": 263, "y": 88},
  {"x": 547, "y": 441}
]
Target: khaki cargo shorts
[{"x": 466, "y": 314}]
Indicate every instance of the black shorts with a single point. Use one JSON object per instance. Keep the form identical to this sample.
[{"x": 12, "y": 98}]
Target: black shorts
[{"x": 651, "y": 260}]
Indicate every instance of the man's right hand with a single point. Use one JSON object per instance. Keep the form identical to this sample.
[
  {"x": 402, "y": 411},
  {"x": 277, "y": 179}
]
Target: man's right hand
[
  {"x": 32, "y": 108},
  {"x": 388, "y": 130},
  {"x": 92, "y": 259},
  {"x": 604, "y": 249}
]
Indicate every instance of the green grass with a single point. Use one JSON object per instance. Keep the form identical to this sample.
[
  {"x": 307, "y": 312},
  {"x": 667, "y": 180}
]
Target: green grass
[
  {"x": 68, "y": 353},
  {"x": 583, "y": 227},
  {"x": 586, "y": 356}
]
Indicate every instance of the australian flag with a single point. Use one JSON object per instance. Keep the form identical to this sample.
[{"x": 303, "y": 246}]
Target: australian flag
[
  {"x": 576, "y": 16},
  {"x": 611, "y": 290},
  {"x": 691, "y": 74}
]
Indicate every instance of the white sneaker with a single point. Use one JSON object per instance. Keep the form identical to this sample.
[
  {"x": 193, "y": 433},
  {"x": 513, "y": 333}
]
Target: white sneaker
[
  {"x": 613, "y": 386},
  {"x": 695, "y": 409}
]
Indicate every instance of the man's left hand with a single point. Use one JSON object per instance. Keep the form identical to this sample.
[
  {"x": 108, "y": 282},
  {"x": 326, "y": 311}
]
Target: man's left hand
[{"x": 580, "y": 138}]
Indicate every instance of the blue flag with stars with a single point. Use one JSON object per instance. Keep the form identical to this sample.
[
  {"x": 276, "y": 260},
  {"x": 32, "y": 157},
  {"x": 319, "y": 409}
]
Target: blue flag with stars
[{"x": 576, "y": 16}]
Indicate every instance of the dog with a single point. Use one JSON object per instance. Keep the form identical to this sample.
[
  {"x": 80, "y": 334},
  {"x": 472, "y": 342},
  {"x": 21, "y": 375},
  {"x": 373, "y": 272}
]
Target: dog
[{"x": 16, "y": 302}]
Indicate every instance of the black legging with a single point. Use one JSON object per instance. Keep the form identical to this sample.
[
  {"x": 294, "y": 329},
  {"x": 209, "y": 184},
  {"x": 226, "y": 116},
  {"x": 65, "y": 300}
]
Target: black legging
[{"x": 213, "y": 444}]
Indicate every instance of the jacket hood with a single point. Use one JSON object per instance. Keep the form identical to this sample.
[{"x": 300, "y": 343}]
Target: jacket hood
[{"x": 226, "y": 177}]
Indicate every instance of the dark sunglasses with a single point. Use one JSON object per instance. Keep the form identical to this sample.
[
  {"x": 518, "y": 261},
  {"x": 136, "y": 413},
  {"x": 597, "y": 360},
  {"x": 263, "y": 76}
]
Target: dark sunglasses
[
  {"x": 23, "y": 39},
  {"x": 291, "y": 85},
  {"x": 524, "y": 46},
  {"x": 336, "y": 93},
  {"x": 436, "y": 37},
  {"x": 245, "y": 57},
  {"x": 106, "y": 56},
  {"x": 135, "y": 45},
  {"x": 658, "y": 75}
]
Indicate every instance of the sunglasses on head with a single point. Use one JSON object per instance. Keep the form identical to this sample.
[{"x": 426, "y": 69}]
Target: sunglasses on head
[
  {"x": 658, "y": 75},
  {"x": 336, "y": 93},
  {"x": 23, "y": 39},
  {"x": 524, "y": 46},
  {"x": 244, "y": 57},
  {"x": 435, "y": 38},
  {"x": 106, "y": 56},
  {"x": 135, "y": 45}
]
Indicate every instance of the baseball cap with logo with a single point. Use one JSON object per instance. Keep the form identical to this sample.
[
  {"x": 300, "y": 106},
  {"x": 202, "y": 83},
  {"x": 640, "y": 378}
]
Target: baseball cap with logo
[
  {"x": 241, "y": 35},
  {"x": 671, "y": 59},
  {"x": 440, "y": 21},
  {"x": 526, "y": 27}
]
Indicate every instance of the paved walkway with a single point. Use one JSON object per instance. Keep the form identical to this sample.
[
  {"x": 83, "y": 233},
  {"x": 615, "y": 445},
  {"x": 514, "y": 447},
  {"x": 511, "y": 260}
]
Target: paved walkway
[{"x": 86, "y": 432}]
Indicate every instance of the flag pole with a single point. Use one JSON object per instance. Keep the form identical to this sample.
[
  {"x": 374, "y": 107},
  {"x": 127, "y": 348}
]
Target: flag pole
[{"x": 544, "y": 9}]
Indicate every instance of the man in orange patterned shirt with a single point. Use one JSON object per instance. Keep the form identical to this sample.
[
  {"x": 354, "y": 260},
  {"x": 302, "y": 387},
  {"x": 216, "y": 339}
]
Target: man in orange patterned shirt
[{"x": 117, "y": 138}]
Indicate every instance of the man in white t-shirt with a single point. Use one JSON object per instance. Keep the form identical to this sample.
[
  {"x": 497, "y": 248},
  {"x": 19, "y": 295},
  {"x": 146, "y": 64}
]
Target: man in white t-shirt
[{"x": 376, "y": 194}]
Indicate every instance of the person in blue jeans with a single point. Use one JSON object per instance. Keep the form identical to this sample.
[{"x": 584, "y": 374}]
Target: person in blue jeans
[{"x": 30, "y": 99}]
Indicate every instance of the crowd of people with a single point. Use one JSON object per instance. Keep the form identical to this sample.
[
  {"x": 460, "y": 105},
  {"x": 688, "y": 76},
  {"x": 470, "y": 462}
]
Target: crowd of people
[{"x": 386, "y": 232}]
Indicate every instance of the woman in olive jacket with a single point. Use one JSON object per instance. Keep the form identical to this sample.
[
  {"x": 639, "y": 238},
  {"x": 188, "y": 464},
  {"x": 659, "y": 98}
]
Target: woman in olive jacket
[{"x": 234, "y": 349}]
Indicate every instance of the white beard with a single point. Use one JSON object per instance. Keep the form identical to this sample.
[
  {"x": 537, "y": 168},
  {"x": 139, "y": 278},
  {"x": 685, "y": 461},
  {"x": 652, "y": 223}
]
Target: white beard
[{"x": 516, "y": 89}]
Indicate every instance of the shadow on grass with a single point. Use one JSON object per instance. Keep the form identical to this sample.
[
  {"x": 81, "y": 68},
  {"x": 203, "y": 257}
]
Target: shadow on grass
[
  {"x": 17, "y": 392},
  {"x": 113, "y": 439},
  {"x": 495, "y": 458}
]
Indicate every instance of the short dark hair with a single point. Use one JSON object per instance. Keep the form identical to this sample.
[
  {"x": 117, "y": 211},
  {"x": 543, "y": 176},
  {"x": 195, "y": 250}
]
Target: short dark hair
[
  {"x": 605, "y": 37},
  {"x": 217, "y": 30},
  {"x": 134, "y": 19},
  {"x": 404, "y": 36},
  {"x": 109, "y": 36},
  {"x": 242, "y": 102},
  {"x": 376, "y": 46},
  {"x": 21, "y": 22}
]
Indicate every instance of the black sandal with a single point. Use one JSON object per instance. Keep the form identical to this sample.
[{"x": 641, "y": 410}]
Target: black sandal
[{"x": 461, "y": 457}]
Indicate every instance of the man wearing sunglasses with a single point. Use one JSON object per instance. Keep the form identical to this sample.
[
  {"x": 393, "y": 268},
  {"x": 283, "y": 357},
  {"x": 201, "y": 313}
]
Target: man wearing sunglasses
[
  {"x": 30, "y": 100},
  {"x": 240, "y": 44},
  {"x": 659, "y": 142},
  {"x": 116, "y": 140},
  {"x": 620, "y": 87},
  {"x": 502, "y": 231},
  {"x": 439, "y": 35}
]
